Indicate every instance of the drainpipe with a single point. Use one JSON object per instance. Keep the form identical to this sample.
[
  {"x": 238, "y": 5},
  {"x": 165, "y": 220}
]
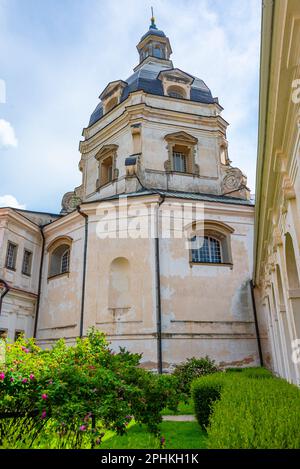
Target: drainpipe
[
  {"x": 37, "y": 310},
  {"x": 85, "y": 216},
  {"x": 158, "y": 292},
  {"x": 256, "y": 325}
]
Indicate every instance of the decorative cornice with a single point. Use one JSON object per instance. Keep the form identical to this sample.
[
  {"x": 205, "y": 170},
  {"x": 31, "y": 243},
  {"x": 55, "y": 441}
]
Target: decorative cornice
[{"x": 143, "y": 111}]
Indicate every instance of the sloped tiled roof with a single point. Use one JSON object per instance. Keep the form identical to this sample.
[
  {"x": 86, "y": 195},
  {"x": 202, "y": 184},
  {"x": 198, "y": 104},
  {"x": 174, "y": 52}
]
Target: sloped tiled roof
[{"x": 145, "y": 78}]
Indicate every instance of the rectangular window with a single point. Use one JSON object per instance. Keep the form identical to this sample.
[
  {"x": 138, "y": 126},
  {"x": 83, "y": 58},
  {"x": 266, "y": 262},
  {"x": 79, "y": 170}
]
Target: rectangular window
[
  {"x": 11, "y": 256},
  {"x": 109, "y": 173},
  {"x": 179, "y": 162},
  {"x": 18, "y": 333},
  {"x": 3, "y": 333},
  {"x": 26, "y": 266},
  {"x": 106, "y": 171}
]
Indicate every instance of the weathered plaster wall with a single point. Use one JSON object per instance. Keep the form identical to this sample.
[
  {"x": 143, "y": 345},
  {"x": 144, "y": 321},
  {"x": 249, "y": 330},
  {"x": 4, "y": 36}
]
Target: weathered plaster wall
[
  {"x": 121, "y": 287},
  {"x": 208, "y": 307},
  {"x": 18, "y": 308},
  {"x": 60, "y": 304}
]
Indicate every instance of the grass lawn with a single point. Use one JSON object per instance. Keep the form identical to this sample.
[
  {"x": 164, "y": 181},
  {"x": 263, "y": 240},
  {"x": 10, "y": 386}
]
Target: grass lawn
[
  {"x": 183, "y": 409},
  {"x": 178, "y": 435}
]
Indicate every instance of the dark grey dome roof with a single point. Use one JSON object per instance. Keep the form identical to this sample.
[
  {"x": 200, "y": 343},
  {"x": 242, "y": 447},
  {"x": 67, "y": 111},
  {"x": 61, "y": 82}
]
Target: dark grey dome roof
[
  {"x": 145, "y": 78},
  {"x": 153, "y": 31}
]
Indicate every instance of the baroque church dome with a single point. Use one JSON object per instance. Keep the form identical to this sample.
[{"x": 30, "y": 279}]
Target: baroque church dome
[{"x": 154, "y": 50}]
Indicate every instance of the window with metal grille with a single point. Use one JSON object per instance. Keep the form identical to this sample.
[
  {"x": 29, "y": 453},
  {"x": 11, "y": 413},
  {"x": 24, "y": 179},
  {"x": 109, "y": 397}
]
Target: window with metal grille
[
  {"x": 65, "y": 261},
  {"x": 18, "y": 334},
  {"x": 59, "y": 260},
  {"x": 11, "y": 256},
  {"x": 206, "y": 250},
  {"x": 179, "y": 162},
  {"x": 26, "y": 265}
]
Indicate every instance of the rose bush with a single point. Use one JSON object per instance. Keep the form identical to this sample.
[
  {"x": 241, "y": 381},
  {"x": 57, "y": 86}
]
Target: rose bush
[{"x": 79, "y": 391}]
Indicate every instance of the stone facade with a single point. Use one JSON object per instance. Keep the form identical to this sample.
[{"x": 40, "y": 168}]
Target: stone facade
[
  {"x": 154, "y": 152},
  {"x": 277, "y": 227}
]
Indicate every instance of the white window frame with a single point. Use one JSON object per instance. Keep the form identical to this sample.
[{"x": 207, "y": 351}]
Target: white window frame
[
  {"x": 182, "y": 159},
  {"x": 26, "y": 266},
  {"x": 65, "y": 268},
  {"x": 11, "y": 258}
]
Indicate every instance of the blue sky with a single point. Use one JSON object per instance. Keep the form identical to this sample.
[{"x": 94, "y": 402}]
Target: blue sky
[{"x": 56, "y": 56}]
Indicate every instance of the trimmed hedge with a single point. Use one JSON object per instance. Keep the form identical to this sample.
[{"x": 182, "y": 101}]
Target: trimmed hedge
[
  {"x": 251, "y": 372},
  {"x": 205, "y": 391},
  {"x": 249, "y": 409},
  {"x": 255, "y": 413}
]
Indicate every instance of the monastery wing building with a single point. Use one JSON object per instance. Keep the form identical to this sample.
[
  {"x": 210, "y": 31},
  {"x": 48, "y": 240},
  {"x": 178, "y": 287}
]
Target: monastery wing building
[
  {"x": 277, "y": 226},
  {"x": 155, "y": 247}
]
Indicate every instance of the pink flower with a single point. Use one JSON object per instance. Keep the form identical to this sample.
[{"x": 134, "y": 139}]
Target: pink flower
[
  {"x": 162, "y": 440},
  {"x": 82, "y": 428},
  {"x": 44, "y": 414},
  {"x": 12, "y": 379},
  {"x": 44, "y": 396},
  {"x": 26, "y": 350},
  {"x": 31, "y": 376},
  {"x": 24, "y": 380},
  {"x": 2, "y": 376}
]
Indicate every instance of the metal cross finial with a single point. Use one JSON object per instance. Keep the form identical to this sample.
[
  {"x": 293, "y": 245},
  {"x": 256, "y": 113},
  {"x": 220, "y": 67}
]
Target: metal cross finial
[{"x": 152, "y": 25}]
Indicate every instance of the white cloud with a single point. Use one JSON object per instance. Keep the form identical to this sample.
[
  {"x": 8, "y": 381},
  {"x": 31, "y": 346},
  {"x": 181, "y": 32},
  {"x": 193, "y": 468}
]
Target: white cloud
[
  {"x": 10, "y": 201},
  {"x": 7, "y": 134}
]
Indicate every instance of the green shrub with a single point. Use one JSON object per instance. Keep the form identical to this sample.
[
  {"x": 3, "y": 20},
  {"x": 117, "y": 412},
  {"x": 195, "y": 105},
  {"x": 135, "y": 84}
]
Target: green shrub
[
  {"x": 256, "y": 372},
  {"x": 205, "y": 391},
  {"x": 255, "y": 413},
  {"x": 191, "y": 369},
  {"x": 251, "y": 372}
]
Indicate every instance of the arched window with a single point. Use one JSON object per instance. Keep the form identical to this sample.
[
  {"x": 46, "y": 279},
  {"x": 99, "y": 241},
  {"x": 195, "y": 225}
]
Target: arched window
[
  {"x": 293, "y": 282},
  {"x": 291, "y": 264},
  {"x": 206, "y": 249},
  {"x": 59, "y": 256},
  {"x": 210, "y": 242},
  {"x": 176, "y": 92}
]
